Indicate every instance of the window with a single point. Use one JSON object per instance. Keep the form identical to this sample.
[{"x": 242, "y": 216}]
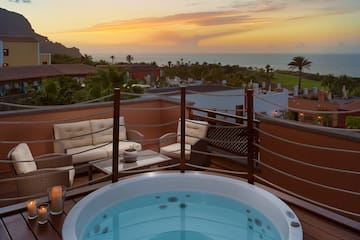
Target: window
[{"x": 6, "y": 52}]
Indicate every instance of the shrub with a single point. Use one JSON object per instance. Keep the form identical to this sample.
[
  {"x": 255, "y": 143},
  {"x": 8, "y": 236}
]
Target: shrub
[{"x": 352, "y": 122}]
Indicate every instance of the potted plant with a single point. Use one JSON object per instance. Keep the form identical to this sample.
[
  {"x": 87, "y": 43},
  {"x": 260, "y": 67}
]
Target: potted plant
[{"x": 130, "y": 154}]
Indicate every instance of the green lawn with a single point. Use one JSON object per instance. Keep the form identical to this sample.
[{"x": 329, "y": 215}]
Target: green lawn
[{"x": 289, "y": 81}]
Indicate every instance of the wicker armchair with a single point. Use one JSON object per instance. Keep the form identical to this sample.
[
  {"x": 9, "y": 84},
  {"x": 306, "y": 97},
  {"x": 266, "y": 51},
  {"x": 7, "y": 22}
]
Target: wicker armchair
[
  {"x": 195, "y": 132},
  {"x": 36, "y": 175}
]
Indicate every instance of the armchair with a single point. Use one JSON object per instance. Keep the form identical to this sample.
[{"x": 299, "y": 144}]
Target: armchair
[
  {"x": 195, "y": 132},
  {"x": 45, "y": 170}
]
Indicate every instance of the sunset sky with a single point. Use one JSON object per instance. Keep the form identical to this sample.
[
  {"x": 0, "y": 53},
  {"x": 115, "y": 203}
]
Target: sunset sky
[{"x": 197, "y": 26}]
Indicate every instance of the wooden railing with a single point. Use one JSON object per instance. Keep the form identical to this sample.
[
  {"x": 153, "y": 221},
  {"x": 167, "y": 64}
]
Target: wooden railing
[{"x": 237, "y": 135}]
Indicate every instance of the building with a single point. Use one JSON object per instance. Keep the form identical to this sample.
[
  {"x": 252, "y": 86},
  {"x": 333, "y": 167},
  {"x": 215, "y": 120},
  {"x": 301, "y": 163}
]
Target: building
[
  {"x": 313, "y": 109},
  {"x": 15, "y": 80},
  {"x": 21, "y": 51},
  {"x": 146, "y": 72}
]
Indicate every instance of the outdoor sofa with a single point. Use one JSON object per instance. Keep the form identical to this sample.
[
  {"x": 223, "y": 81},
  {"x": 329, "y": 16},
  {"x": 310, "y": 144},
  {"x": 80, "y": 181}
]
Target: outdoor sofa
[{"x": 92, "y": 139}]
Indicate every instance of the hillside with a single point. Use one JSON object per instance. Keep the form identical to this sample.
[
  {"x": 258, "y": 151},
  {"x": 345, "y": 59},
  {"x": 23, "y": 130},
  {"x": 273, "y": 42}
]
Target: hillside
[{"x": 12, "y": 23}]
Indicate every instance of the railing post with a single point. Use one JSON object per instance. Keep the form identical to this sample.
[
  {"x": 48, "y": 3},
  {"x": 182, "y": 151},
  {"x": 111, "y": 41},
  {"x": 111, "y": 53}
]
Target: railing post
[
  {"x": 115, "y": 166},
  {"x": 250, "y": 135},
  {"x": 182, "y": 137},
  {"x": 239, "y": 112}
]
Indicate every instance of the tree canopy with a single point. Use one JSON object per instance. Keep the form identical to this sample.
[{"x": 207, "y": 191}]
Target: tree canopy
[
  {"x": 299, "y": 62},
  {"x": 68, "y": 90}
]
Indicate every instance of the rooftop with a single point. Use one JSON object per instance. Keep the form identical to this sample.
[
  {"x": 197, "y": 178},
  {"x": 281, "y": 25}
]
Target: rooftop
[
  {"x": 42, "y": 71},
  {"x": 315, "y": 184},
  {"x": 13, "y": 38}
]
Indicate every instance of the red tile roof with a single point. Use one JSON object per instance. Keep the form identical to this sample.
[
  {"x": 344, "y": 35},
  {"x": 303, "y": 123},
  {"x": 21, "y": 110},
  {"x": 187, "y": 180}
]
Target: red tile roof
[
  {"x": 42, "y": 71},
  {"x": 355, "y": 105},
  {"x": 12, "y": 38}
]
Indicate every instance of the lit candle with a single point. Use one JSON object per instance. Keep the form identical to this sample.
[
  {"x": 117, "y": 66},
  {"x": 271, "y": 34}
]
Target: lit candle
[
  {"x": 31, "y": 208},
  {"x": 42, "y": 214},
  {"x": 56, "y": 200}
]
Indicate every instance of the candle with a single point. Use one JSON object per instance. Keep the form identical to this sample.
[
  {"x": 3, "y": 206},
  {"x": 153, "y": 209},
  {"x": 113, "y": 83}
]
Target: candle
[
  {"x": 42, "y": 214},
  {"x": 31, "y": 208},
  {"x": 56, "y": 200}
]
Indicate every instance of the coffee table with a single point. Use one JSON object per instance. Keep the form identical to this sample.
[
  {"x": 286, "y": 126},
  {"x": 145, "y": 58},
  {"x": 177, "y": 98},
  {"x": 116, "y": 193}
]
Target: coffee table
[{"x": 146, "y": 158}]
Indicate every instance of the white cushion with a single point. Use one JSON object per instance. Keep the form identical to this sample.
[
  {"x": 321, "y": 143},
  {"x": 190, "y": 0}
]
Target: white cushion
[
  {"x": 122, "y": 147},
  {"x": 22, "y": 153},
  {"x": 173, "y": 150},
  {"x": 105, "y": 136},
  {"x": 79, "y": 134},
  {"x": 86, "y": 153},
  {"x": 194, "y": 131}
]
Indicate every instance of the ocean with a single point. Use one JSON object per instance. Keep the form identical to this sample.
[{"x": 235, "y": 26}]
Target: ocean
[{"x": 336, "y": 64}]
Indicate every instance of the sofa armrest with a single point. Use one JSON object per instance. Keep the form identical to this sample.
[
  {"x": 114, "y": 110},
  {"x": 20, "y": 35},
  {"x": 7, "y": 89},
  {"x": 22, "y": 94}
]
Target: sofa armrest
[
  {"x": 59, "y": 146},
  {"x": 200, "y": 157},
  {"x": 53, "y": 160},
  {"x": 39, "y": 181},
  {"x": 134, "y": 135},
  {"x": 167, "y": 139}
]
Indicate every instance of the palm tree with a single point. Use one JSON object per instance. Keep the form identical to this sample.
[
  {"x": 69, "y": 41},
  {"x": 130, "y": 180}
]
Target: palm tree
[
  {"x": 299, "y": 63},
  {"x": 268, "y": 78},
  {"x": 112, "y": 59},
  {"x": 129, "y": 58}
]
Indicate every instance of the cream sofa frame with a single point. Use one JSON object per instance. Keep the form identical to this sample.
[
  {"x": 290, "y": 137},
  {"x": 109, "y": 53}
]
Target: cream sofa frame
[{"x": 92, "y": 139}]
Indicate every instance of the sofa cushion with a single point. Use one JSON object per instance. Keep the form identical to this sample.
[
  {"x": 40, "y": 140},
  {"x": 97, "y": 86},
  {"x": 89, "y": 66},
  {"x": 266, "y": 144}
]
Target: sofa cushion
[
  {"x": 87, "y": 153},
  {"x": 194, "y": 131},
  {"x": 77, "y": 134},
  {"x": 103, "y": 136},
  {"x": 173, "y": 150},
  {"x": 122, "y": 146},
  {"x": 22, "y": 153}
]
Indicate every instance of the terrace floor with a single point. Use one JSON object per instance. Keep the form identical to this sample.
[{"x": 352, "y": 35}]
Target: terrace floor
[{"x": 18, "y": 226}]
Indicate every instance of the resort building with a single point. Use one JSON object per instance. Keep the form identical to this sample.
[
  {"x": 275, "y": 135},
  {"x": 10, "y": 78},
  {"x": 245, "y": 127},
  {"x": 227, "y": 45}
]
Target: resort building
[
  {"x": 319, "y": 110},
  {"x": 21, "y": 51},
  {"x": 149, "y": 73},
  {"x": 16, "y": 80}
]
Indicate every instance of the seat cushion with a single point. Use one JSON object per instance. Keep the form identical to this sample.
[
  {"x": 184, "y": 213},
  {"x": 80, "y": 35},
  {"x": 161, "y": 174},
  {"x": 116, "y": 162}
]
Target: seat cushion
[
  {"x": 22, "y": 153},
  {"x": 122, "y": 146},
  {"x": 87, "y": 153},
  {"x": 77, "y": 134},
  {"x": 194, "y": 131},
  {"x": 173, "y": 150},
  {"x": 103, "y": 132}
]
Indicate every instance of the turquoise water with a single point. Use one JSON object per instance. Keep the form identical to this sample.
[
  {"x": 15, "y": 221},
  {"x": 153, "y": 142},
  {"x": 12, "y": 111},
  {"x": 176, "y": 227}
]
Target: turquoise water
[{"x": 180, "y": 216}]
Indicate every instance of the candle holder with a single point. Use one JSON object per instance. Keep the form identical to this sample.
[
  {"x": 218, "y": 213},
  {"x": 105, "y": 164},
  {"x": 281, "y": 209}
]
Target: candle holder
[
  {"x": 56, "y": 199},
  {"x": 32, "y": 209},
  {"x": 43, "y": 213}
]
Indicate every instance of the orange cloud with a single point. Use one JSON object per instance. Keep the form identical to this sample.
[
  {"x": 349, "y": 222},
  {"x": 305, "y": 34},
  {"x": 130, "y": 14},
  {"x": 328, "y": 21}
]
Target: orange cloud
[
  {"x": 179, "y": 29},
  {"x": 259, "y": 28}
]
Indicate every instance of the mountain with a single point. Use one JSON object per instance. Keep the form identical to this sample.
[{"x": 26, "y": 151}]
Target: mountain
[{"x": 12, "y": 23}]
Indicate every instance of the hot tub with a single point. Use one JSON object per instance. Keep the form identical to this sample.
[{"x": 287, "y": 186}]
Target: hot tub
[{"x": 190, "y": 205}]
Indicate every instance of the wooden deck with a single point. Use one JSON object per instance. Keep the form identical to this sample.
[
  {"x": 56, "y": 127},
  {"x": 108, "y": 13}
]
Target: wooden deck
[
  {"x": 19, "y": 227},
  {"x": 315, "y": 227}
]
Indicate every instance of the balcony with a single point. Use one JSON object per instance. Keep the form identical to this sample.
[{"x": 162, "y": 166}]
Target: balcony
[{"x": 314, "y": 170}]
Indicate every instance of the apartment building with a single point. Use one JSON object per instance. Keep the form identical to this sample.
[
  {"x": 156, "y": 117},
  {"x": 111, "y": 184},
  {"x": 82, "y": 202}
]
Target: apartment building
[{"x": 21, "y": 51}]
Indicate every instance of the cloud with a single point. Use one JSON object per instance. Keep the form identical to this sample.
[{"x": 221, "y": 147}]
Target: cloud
[
  {"x": 326, "y": 12},
  {"x": 197, "y": 19},
  {"x": 257, "y": 6}
]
